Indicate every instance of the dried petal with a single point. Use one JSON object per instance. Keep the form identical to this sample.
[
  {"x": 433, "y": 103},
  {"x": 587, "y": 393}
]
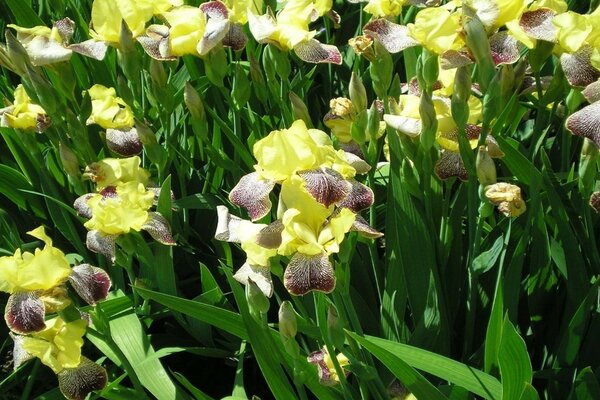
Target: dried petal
[
  {"x": 25, "y": 312},
  {"x": 359, "y": 198},
  {"x": 98, "y": 242},
  {"x": 91, "y": 283},
  {"x": 586, "y": 123},
  {"x": 578, "y": 67},
  {"x": 252, "y": 193},
  {"x": 451, "y": 165},
  {"x": 159, "y": 228},
  {"x": 505, "y": 48},
  {"x": 77, "y": 383},
  {"x": 258, "y": 274},
  {"x": 326, "y": 185},
  {"x": 538, "y": 24},
  {"x": 124, "y": 142},
  {"x": 393, "y": 37},
  {"x": 313, "y": 51},
  {"x": 306, "y": 273}
]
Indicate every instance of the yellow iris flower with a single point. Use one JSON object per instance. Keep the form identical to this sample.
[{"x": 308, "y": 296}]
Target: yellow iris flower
[
  {"x": 108, "y": 110},
  {"x": 384, "y": 8},
  {"x": 116, "y": 171},
  {"x": 187, "y": 28},
  {"x": 306, "y": 226},
  {"x": 43, "y": 270},
  {"x": 23, "y": 114},
  {"x": 437, "y": 30},
  {"x": 59, "y": 345},
  {"x": 126, "y": 211},
  {"x": 285, "y": 152}
]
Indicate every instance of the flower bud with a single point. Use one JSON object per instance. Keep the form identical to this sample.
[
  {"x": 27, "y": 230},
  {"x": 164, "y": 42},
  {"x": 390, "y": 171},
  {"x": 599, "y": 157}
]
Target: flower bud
[
  {"x": 373, "y": 122},
  {"x": 381, "y": 70},
  {"x": 335, "y": 327},
  {"x": 256, "y": 298},
  {"x": 299, "y": 109},
  {"x": 484, "y": 165},
  {"x": 477, "y": 41},
  {"x": 358, "y": 93},
  {"x": 428, "y": 120},
  {"x": 69, "y": 160},
  {"x": 288, "y": 326},
  {"x": 193, "y": 102},
  {"x": 157, "y": 73}
]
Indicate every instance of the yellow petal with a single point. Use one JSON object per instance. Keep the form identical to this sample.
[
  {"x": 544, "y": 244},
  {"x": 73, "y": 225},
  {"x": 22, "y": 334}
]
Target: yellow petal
[
  {"x": 573, "y": 30},
  {"x": 436, "y": 29},
  {"x": 108, "y": 110},
  {"x": 187, "y": 28}
]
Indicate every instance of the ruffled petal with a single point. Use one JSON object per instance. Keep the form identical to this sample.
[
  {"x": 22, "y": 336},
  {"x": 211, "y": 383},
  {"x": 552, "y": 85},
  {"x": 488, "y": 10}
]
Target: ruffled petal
[
  {"x": 91, "y": 283},
  {"x": 586, "y": 123},
  {"x": 260, "y": 275},
  {"x": 359, "y": 198},
  {"x": 125, "y": 142},
  {"x": 307, "y": 273}
]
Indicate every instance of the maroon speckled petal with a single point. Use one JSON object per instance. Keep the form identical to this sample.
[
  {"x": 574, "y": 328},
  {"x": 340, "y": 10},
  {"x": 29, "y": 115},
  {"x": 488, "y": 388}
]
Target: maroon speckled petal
[
  {"x": 586, "y": 123},
  {"x": 538, "y": 24},
  {"x": 25, "y": 313},
  {"x": 313, "y": 51},
  {"x": 326, "y": 185},
  {"x": 359, "y": 198},
  {"x": 66, "y": 28},
  {"x": 578, "y": 67},
  {"x": 592, "y": 92},
  {"x": 77, "y": 383},
  {"x": 235, "y": 38},
  {"x": 393, "y": 37},
  {"x": 453, "y": 59},
  {"x": 91, "y": 283},
  {"x": 125, "y": 142},
  {"x": 81, "y": 206},
  {"x": 252, "y": 193},
  {"x": 269, "y": 237},
  {"x": 157, "y": 48},
  {"x": 159, "y": 228},
  {"x": 505, "y": 49},
  {"x": 98, "y": 242},
  {"x": 307, "y": 273},
  {"x": 451, "y": 165}
]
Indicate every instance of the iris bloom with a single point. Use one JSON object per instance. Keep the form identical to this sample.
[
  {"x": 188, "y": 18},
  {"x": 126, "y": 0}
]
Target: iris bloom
[
  {"x": 318, "y": 205},
  {"x": 327, "y": 373},
  {"x": 108, "y": 16},
  {"x": 114, "y": 115},
  {"x": 58, "y": 346},
  {"x": 122, "y": 204},
  {"x": 289, "y": 31},
  {"x": 36, "y": 284},
  {"x": 384, "y": 8},
  {"x": 23, "y": 114},
  {"x": 51, "y": 45}
]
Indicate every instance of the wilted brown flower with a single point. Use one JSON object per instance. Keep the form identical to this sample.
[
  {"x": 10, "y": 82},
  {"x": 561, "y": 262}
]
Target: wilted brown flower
[{"x": 507, "y": 197}]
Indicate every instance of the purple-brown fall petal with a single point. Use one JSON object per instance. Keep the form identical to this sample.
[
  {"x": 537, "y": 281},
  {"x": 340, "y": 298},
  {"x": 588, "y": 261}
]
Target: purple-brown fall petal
[
  {"x": 313, "y": 51},
  {"x": 578, "y": 67},
  {"x": 359, "y": 198},
  {"x": 306, "y": 273},
  {"x": 235, "y": 38},
  {"x": 269, "y": 237},
  {"x": 538, "y": 24},
  {"x": 592, "y": 92},
  {"x": 98, "y": 242},
  {"x": 76, "y": 383},
  {"x": 363, "y": 228},
  {"x": 81, "y": 205},
  {"x": 25, "y": 313},
  {"x": 125, "y": 142},
  {"x": 91, "y": 283},
  {"x": 326, "y": 185},
  {"x": 454, "y": 58},
  {"x": 252, "y": 193},
  {"x": 159, "y": 228},
  {"x": 393, "y": 37},
  {"x": 586, "y": 123},
  {"x": 505, "y": 48}
]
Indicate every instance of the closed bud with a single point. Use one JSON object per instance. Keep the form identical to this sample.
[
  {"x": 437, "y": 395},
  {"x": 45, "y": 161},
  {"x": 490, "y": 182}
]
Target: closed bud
[
  {"x": 157, "y": 73},
  {"x": 358, "y": 93},
  {"x": 16, "y": 54},
  {"x": 300, "y": 110},
  {"x": 459, "y": 103},
  {"x": 129, "y": 58},
  {"x": 477, "y": 41},
  {"x": 373, "y": 122},
  {"x": 288, "y": 326},
  {"x": 484, "y": 165},
  {"x": 430, "y": 67},
  {"x": 381, "y": 70},
  {"x": 428, "y": 121},
  {"x": 257, "y": 301},
  {"x": 69, "y": 161},
  {"x": 193, "y": 102}
]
